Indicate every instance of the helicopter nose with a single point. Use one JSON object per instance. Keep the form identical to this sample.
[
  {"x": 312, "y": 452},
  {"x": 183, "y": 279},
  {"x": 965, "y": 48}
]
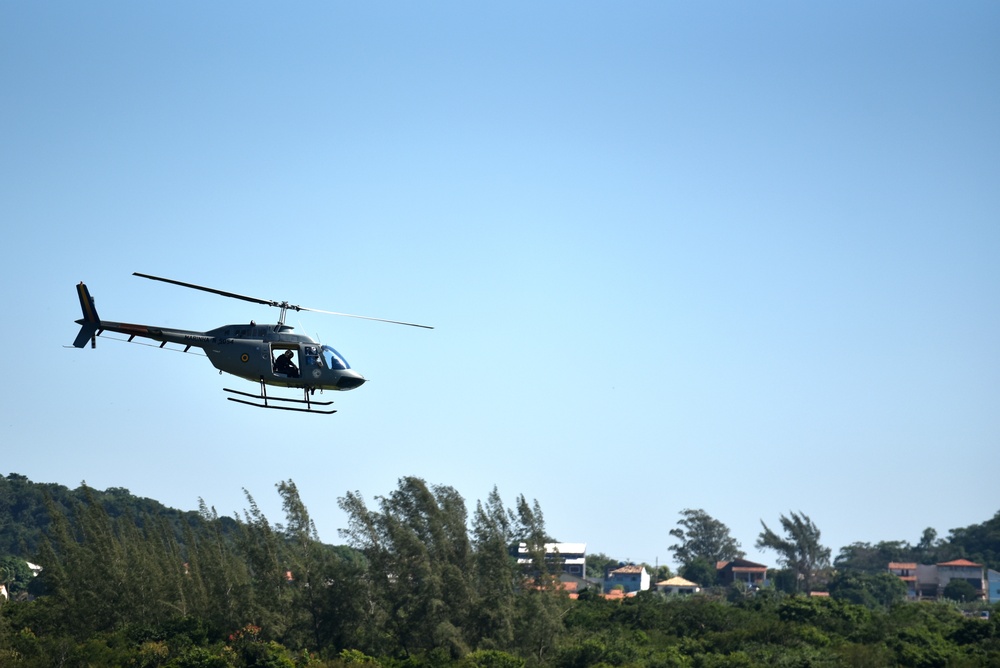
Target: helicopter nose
[{"x": 350, "y": 380}]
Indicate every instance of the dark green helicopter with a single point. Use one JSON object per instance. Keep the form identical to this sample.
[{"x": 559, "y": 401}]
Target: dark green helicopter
[{"x": 265, "y": 354}]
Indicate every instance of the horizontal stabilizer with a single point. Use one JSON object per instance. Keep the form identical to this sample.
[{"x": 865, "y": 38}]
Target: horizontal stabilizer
[{"x": 87, "y": 332}]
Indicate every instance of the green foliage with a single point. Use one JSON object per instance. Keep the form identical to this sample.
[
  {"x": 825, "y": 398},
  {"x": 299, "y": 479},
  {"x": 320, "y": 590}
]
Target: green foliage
[
  {"x": 490, "y": 658},
  {"x": 353, "y": 657},
  {"x": 250, "y": 650},
  {"x": 598, "y": 563},
  {"x": 26, "y": 511},
  {"x": 420, "y": 559},
  {"x": 422, "y": 586},
  {"x": 960, "y": 590},
  {"x": 200, "y": 657},
  {"x": 872, "y": 559},
  {"x": 979, "y": 542},
  {"x": 702, "y": 537},
  {"x": 871, "y": 590},
  {"x": 800, "y": 549},
  {"x": 784, "y": 580},
  {"x": 15, "y": 575},
  {"x": 497, "y": 576},
  {"x": 700, "y": 571}
]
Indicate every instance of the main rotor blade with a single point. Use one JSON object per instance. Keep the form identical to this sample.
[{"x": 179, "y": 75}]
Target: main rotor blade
[
  {"x": 365, "y": 317},
  {"x": 254, "y": 300},
  {"x": 269, "y": 302}
]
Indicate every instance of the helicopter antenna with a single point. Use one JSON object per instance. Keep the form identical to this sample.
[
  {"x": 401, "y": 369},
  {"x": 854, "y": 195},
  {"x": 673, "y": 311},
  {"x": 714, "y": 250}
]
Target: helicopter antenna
[{"x": 284, "y": 305}]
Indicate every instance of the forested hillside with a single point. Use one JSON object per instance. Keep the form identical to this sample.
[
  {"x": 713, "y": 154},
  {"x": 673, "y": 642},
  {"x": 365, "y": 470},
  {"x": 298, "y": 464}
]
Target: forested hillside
[
  {"x": 26, "y": 511},
  {"x": 422, "y": 582}
]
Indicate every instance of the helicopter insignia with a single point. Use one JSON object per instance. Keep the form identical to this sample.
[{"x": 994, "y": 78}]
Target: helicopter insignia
[{"x": 268, "y": 354}]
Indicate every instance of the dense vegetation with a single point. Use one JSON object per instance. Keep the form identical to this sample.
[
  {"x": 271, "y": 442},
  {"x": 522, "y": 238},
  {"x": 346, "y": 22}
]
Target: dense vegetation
[{"x": 129, "y": 583}]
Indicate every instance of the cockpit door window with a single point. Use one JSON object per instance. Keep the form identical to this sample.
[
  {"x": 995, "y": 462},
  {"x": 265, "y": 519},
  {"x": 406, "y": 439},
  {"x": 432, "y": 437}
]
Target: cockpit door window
[{"x": 333, "y": 359}]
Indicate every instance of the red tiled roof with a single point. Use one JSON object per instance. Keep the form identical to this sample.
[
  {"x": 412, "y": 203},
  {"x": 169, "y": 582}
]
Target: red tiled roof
[
  {"x": 616, "y": 594},
  {"x": 900, "y": 565},
  {"x": 960, "y": 563}
]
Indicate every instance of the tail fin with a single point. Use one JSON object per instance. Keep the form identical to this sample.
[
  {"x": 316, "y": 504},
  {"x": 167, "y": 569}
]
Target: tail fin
[{"x": 90, "y": 322}]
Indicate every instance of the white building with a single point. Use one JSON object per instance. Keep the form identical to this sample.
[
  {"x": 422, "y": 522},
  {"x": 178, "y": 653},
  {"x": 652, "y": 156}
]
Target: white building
[
  {"x": 572, "y": 556},
  {"x": 677, "y": 585}
]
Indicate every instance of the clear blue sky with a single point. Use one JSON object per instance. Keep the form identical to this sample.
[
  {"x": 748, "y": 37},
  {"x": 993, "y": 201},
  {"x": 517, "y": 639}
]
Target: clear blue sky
[{"x": 722, "y": 255}]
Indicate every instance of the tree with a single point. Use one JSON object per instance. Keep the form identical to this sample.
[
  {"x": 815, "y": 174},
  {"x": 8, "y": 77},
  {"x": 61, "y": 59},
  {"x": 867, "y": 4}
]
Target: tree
[
  {"x": 15, "y": 574},
  {"x": 497, "y": 574},
  {"x": 979, "y": 542},
  {"x": 420, "y": 564},
  {"x": 703, "y": 537},
  {"x": 960, "y": 590},
  {"x": 800, "y": 549},
  {"x": 868, "y": 589},
  {"x": 263, "y": 550},
  {"x": 540, "y": 604},
  {"x": 657, "y": 573},
  {"x": 306, "y": 560},
  {"x": 598, "y": 563},
  {"x": 928, "y": 539},
  {"x": 869, "y": 558},
  {"x": 700, "y": 571}
]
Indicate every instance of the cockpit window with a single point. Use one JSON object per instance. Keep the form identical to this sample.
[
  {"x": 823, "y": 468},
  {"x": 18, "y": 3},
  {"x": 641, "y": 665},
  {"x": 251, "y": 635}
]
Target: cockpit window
[{"x": 333, "y": 359}]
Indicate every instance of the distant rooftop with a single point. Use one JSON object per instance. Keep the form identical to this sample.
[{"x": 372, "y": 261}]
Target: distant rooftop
[
  {"x": 677, "y": 582},
  {"x": 960, "y": 563},
  {"x": 631, "y": 568}
]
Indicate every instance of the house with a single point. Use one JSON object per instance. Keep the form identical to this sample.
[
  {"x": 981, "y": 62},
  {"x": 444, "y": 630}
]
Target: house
[
  {"x": 630, "y": 578},
  {"x": 741, "y": 570},
  {"x": 993, "y": 581},
  {"x": 3, "y": 593},
  {"x": 677, "y": 585},
  {"x": 571, "y": 556},
  {"x": 907, "y": 572},
  {"x": 927, "y": 581},
  {"x": 962, "y": 569}
]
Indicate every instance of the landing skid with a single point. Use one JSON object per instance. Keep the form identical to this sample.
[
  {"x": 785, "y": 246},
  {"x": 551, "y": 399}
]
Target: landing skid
[{"x": 262, "y": 401}]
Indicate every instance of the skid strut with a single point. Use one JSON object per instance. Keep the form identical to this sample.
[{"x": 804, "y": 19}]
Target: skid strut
[{"x": 263, "y": 401}]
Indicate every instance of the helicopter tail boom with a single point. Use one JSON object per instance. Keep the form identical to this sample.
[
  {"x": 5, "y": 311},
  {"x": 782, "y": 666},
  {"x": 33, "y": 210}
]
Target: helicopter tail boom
[{"x": 90, "y": 322}]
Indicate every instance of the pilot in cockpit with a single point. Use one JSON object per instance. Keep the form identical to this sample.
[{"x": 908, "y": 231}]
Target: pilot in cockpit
[{"x": 284, "y": 364}]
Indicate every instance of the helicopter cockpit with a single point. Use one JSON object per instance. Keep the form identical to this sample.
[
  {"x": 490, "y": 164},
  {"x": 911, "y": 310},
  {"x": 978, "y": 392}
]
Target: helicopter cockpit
[
  {"x": 325, "y": 357},
  {"x": 333, "y": 359}
]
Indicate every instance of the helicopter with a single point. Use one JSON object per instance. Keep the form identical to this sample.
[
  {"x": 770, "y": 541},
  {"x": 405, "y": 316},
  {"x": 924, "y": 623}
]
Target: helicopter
[{"x": 261, "y": 353}]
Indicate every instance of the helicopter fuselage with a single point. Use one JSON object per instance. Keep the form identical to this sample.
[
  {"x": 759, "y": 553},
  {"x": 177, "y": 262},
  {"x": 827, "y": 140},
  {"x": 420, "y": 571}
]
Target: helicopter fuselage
[{"x": 254, "y": 351}]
